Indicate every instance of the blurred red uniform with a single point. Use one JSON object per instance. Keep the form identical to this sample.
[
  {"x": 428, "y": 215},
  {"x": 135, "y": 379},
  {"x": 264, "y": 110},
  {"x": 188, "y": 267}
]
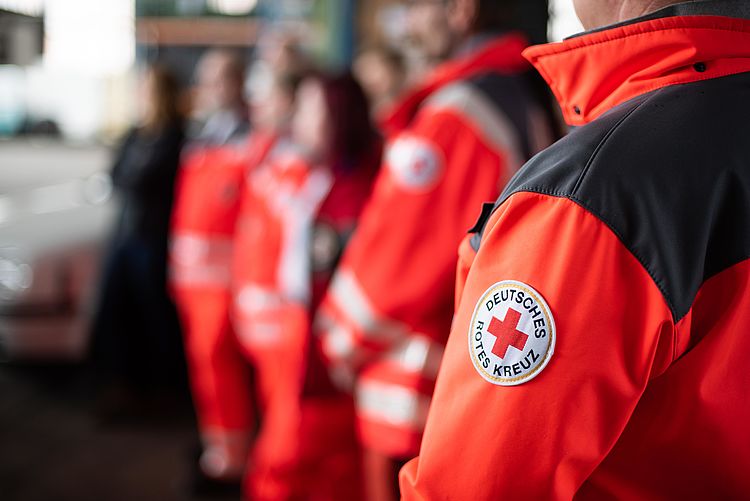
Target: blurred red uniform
[
  {"x": 203, "y": 222},
  {"x": 453, "y": 144},
  {"x": 294, "y": 223}
]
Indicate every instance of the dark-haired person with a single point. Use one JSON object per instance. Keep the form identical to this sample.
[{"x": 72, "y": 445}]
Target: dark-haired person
[
  {"x": 306, "y": 200},
  {"x": 135, "y": 335},
  {"x": 382, "y": 72},
  {"x": 454, "y": 142},
  {"x": 600, "y": 346}
]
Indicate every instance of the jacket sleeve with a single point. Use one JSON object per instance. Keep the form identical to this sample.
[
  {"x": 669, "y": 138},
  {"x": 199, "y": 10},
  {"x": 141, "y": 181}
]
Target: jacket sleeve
[
  {"x": 613, "y": 332},
  {"x": 396, "y": 277}
]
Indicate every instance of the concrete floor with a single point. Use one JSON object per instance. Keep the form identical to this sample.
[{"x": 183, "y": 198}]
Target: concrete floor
[{"x": 52, "y": 448}]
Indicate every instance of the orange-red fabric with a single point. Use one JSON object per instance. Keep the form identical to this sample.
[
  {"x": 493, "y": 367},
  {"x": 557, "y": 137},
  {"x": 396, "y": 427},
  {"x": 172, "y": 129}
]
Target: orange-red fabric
[
  {"x": 579, "y": 428},
  {"x": 307, "y": 447},
  {"x": 206, "y": 205},
  {"x": 544, "y": 438},
  {"x": 388, "y": 313},
  {"x": 625, "y": 382},
  {"x": 502, "y": 55},
  {"x": 593, "y": 73}
]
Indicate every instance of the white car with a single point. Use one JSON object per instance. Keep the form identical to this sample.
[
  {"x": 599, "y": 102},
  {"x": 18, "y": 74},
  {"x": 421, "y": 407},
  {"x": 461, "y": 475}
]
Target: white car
[{"x": 56, "y": 211}]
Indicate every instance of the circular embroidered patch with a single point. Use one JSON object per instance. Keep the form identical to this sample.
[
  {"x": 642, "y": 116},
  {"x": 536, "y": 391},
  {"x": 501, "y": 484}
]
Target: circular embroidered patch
[
  {"x": 512, "y": 334},
  {"x": 415, "y": 163}
]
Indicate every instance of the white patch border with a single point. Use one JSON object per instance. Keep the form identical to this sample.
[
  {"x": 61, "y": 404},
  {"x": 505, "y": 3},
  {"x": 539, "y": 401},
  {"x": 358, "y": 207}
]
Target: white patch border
[
  {"x": 418, "y": 141},
  {"x": 518, "y": 380}
]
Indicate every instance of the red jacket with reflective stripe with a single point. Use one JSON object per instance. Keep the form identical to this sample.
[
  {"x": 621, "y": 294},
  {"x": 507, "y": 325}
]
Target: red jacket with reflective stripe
[
  {"x": 453, "y": 144},
  {"x": 599, "y": 347},
  {"x": 207, "y": 201},
  {"x": 295, "y": 220}
]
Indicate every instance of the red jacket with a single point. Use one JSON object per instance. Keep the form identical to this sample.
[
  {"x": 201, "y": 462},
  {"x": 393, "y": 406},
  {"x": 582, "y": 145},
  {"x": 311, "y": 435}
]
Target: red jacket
[
  {"x": 205, "y": 211},
  {"x": 453, "y": 144},
  {"x": 296, "y": 218},
  {"x": 598, "y": 350}
]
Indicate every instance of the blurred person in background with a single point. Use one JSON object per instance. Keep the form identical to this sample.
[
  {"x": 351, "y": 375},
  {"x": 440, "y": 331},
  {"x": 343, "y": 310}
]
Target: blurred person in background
[
  {"x": 210, "y": 204},
  {"x": 454, "y": 141},
  {"x": 306, "y": 202},
  {"x": 207, "y": 200},
  {"x": 135, "y": 339},
  {"x": 220, "y": 113},
  {"x": 382, "y": 72}
]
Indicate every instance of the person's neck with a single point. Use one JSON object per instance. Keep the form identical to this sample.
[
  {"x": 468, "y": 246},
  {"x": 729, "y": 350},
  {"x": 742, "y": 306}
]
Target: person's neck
[{"x": 628, "y": 9}]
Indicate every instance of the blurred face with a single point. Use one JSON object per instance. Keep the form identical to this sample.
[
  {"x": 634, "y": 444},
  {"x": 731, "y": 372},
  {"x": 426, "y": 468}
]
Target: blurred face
[
  {"x": 377, "y": 77},
  {"x": 430, "y": 27},
  {"x": 146, "y": 96},
  {"x": 218, "y": 88},
  {"x": 271, "y": 108},
  {"x": 311, "y": 126}
]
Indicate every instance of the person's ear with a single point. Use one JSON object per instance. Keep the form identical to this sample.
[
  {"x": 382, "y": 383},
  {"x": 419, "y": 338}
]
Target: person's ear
[{"x": 462, "y": 15}]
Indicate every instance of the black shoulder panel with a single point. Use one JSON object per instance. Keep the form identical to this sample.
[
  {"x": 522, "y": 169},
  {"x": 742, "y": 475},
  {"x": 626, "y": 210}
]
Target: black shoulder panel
[
  {"x": 510, "y": 94},
  {"x": 669, "y": 173}
]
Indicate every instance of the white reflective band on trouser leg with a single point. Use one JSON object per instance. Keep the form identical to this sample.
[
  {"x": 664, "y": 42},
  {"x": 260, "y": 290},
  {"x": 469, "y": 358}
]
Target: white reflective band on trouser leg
[
  {"x": 417, "y": 354},
  {"x": 199, "y": 260},
  {"x": 215, "y": 276},
  {"x": 353, "y": 302},
  {"x": 224, "y": 452},
  {"x": 392, "y": 404}
]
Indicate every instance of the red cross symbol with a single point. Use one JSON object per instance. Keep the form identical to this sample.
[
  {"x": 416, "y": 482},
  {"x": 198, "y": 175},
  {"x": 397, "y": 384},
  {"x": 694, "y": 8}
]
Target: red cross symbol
[
  {"x": 420, "y": 165},
  {"x": 506, "y": 334}
]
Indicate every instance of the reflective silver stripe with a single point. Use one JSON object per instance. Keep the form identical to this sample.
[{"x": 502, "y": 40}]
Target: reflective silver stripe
[
  {"x": 216, "y": 276},
  {"x": 297, "y": 211},
  {"x": 337, "y": 343},
  {"x": 336, "y": 340},
  {"x": 256, "y": 314},
  {"x": 392, "y": 404},
  {"x": 417, "y": 354},
  {"x": 224, "y": 451},
  {"x": 494, "y": 126},
  {"x": 197, "y": 259},
  {"x": 352, "y": 300},
  {"x": 190, "y": 248},
  {"x": 254, "y": 299},
  {"x": 256, "y": 333}
]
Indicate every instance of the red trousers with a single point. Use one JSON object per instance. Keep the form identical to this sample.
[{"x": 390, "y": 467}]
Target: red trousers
[
  {"x": 220, "y": 379},
  {"x": 307, "y": 448}
]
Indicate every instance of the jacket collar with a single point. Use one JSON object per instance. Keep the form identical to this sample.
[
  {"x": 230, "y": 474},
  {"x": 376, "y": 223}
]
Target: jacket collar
[
  {"x": 500, "y": 54},
  {"x": 598, "y": 70}
]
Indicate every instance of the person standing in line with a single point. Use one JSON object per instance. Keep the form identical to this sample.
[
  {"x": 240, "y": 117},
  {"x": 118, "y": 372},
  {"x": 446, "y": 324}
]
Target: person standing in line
[
  {"x": 301, "y": 208},
  {"x": 135, "y": 333},
  {"x": 220, "y": 113},
  {"x": 210, "y": 206},
  {"x": 453, "y": 143}
]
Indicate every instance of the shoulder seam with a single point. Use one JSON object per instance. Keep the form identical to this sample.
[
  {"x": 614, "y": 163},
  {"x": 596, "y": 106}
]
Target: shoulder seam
[
  {"x": 641, "y": 261},
  {"x": 601, "y": 144}
]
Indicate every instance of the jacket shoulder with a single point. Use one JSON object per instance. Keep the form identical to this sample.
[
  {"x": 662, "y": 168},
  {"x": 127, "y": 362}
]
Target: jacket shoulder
[{"x": 669, "y": 174}]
